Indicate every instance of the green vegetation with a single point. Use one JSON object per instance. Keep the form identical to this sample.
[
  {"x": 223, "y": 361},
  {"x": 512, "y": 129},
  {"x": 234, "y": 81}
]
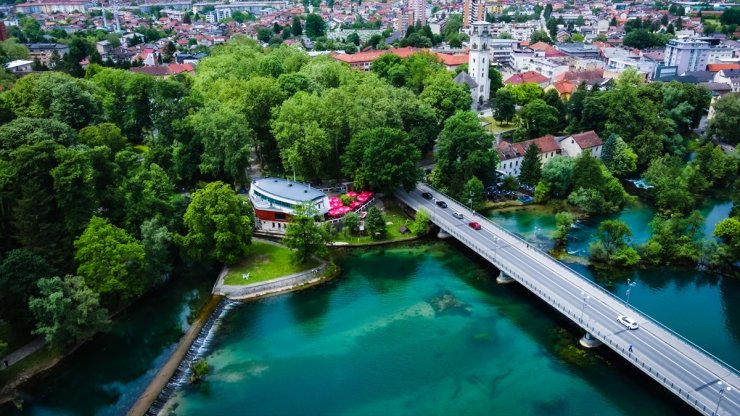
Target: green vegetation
[
  {"x": 305, "y": 236},
  {"x": 611, "y": 247},
  {"x": 199, "y": 371},
  {"x": 265, "y": 261},
  {"x": 563, "y": 226}
]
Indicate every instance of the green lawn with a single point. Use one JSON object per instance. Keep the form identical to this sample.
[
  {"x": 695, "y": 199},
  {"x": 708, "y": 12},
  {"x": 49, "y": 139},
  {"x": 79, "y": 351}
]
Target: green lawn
[
  {"x": 264, "y": 262},
  {"x": 495, "y": 127},
  {"x": 395, "y": 217},
  {"x": 40, "y": 358}
]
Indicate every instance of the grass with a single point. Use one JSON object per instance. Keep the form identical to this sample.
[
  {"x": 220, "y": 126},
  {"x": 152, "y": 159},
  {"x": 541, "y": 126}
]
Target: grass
[
  {"x": 265, "y": 262},
  {"x": 494, "y": 127},
  {"x": 392, "y": 231}
]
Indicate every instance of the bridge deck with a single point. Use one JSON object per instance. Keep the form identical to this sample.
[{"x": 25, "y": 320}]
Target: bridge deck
[{"x": 685, "y": 369}]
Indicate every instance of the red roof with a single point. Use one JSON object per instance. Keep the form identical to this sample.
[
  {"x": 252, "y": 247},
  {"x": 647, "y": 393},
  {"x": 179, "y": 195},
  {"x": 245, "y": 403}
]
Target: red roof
[
  {"x": 453, "y": 60},
  {"x": 587, "y": 139},
  {"x": 546, "y": 144},
  {"x": 527, "y": 77},
  {"x": 564, "y": 87},
  {"x": 722, "y": 67},
  {"x": 373, "y": 55}
]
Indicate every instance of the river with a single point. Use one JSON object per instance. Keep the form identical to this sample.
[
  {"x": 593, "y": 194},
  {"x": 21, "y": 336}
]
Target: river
[{"x": 421, "y": 329}]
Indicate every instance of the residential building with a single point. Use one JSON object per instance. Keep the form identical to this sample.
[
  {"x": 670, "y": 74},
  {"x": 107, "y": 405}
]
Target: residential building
[
  {"x": 49, "y": 7},
  {"x": 565, "y": 89},
  {"x": 529, "y": 77},
  {"x": 730, "y": 77},
  {"x": 474, "y": 11},
  {"x": 511, "y": 155},
  {"x": 274, "y": 200},
  {"x": 579, "y": 50},
  {"x": 418, "y": 7},
  {"x": 19, "y": 66},
  {"x": 576, "y": 144},
  {"x": 45, "y": 51},
  {"x": 501, "y": 50},
  {"x": 687, "y": 54}
]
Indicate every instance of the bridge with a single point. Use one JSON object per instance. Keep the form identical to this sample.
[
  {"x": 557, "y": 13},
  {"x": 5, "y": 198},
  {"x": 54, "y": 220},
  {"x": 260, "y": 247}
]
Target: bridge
[{"x": 703, "y": 381}]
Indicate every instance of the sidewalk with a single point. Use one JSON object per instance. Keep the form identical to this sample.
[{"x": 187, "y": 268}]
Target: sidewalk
[{"x": 22, "y": 352}]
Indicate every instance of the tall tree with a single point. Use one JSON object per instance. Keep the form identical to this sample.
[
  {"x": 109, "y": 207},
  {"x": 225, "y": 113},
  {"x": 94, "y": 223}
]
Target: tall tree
[
  {"x": 504, "y": 105},
  {"x": 445, "y": 96},
  {"x": 296, "y": 29},
  {"x": 474, "y": 193},
  {"x": 537, "y": 119},
  {"x": 726, "y": 119},
  {"x": 375, "y": 222},
  {"x": 304, "y": 235},
  {"x": 219, "y": 225},
  {"x": 67, "y": 311},
  {"x": 315, "y": 26},
  {"x": 531, "y": 166},
  {"x": 464, "y": 150},
  {"x": 111, "y": 261},
  {"x": 382, "y": 158},
  {"x": 20, "y": 270}
]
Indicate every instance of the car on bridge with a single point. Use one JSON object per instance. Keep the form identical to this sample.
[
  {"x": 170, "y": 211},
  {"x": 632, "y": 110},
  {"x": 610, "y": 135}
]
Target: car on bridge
[
  {"x": 475, "y": 225},
  {"x": 457, "y": 215},
  {"x": 441, "y": 204},
  {"x": 427, "y": 195},
  {"x": 627, "y": 322}
]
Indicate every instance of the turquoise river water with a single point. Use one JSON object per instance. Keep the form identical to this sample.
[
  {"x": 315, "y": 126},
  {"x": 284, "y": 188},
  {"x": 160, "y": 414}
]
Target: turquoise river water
[{"x": 419, "y": 329}]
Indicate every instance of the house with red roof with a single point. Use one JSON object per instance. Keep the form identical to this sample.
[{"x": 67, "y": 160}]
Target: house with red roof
[
  {"x": 587, "y": 141},
  {"x": 532, "y": 77},
  {"x": 565, "y": 89},
  {"x": 511, "y": 155}
]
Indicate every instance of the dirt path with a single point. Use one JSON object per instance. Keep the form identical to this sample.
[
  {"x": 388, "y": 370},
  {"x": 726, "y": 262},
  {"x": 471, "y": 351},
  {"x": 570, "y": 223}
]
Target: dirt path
[{"x": 163, "y": 376}]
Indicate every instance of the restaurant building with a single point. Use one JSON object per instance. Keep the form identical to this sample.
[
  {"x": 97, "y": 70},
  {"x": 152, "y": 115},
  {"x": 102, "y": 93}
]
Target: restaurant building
[{"x": 274, "y": 200}]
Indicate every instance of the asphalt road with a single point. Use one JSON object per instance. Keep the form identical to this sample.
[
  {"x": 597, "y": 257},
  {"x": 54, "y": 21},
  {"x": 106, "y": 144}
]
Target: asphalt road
[{"x": 675, "y": 363}]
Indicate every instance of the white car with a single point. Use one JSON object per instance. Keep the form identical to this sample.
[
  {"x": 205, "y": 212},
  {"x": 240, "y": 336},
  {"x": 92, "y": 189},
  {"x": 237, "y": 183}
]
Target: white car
[
  {"x": 627, "y": 321},
  {"x": 457, "y": 215}
]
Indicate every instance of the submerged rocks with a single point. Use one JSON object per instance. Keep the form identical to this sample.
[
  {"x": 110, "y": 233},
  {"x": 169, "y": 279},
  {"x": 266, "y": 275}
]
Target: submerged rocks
[{"x": 445, "y": 303}]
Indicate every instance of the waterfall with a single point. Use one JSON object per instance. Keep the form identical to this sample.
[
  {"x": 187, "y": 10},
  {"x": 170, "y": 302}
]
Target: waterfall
[{"x": 198, "y": 349}]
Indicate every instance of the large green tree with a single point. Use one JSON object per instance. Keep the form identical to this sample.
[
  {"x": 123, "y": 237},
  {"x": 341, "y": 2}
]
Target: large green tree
[
  {"x": 219, "y": 225},
  {"x": 20, "y": 270},
  {"x": 111, "y": 261},
  {"x": 305, "y": 236},
  {"x": 464, "y": 150},
  {"x": 531, "y": 167},
  {"x": 726, "y": 119},
  {"x": 445, "y": 96},
  {"x": 315, "y": 26},
  {"x": 537, "y": 119},
  {"x": 504, "y": 105},
  {"x": 383, "y": 159},
  {"x": 67, "y": 311}
]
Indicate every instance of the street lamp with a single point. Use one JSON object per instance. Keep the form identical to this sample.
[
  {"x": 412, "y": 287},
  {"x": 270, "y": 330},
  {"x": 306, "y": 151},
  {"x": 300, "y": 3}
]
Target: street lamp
[
  {"x": 585, "y": 298},
  {"x": 470, "y": 201},
  {"x": 721, "y": 395},
  {"x": 630, "y": 285}
]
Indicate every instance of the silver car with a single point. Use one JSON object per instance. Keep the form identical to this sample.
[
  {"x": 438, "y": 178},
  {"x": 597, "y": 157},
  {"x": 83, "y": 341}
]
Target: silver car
[{"x": 457, "y": 215}]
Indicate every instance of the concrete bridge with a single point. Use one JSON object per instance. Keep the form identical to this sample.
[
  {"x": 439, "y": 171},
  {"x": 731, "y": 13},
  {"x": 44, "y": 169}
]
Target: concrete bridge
[{"x": 698, "y": 378}]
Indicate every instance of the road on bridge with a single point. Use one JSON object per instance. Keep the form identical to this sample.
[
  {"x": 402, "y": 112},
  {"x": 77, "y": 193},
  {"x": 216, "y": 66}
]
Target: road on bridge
[{"x": 704, "y": 382}]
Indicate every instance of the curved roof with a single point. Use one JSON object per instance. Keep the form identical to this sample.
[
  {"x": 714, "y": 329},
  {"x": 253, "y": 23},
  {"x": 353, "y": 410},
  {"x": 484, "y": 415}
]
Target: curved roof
[{"x": 287, "y": 190}]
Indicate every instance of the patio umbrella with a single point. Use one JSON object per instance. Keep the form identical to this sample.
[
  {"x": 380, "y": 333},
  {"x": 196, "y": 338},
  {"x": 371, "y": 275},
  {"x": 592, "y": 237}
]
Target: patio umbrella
[
  {"x": 362, "y": 197},
  {"x": 335, "y": 202},
  {"x": 352, "y": 194},
  {"x": 355, "y": 204}
]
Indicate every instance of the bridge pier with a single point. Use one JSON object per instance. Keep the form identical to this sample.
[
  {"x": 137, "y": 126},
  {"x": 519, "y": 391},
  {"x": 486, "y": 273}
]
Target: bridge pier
[
  {"x": 588, "y": 341},
  {"x": 442, "y": 234},
  {"x": 503, "y": 278}
]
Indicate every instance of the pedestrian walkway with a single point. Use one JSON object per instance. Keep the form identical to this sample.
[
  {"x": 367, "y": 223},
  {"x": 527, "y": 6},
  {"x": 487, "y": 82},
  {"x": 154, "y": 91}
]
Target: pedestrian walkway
[{"x": 22, "y": 352}]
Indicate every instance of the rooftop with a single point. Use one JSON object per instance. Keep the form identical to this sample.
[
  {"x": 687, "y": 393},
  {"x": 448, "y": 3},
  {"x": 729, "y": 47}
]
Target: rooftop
[
  {"x": 587, "y": 139},
  {"x": 285, "y": 189}
]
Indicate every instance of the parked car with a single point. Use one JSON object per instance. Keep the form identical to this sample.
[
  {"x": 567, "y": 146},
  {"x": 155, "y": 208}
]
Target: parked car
[
  {"x": 628, "y": 322},
  {"x": 457, "y": 215},
  {"x": 474, "y": 225},
  {"x": 442, "y": 204},
  {"x": 427, "y": 195}
]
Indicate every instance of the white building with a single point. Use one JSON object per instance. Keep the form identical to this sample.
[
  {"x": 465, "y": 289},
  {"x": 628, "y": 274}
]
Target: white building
[
  {"x": 479, "y": 60},
  {"x": 687, "y": 55},
  {"x": 511, "y": 155},
  {"x": 576, "y": 144}
]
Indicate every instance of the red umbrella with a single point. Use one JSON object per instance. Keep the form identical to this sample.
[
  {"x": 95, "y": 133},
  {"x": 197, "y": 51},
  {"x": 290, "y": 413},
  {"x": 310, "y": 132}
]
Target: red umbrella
[
  {"x": 355, "y": 204},
  {"x": 335, "y": 202},
  {"x": 345, "y": 210},
  {"x": 352, "y": 194},
  {"x": 362, "y": 197}
]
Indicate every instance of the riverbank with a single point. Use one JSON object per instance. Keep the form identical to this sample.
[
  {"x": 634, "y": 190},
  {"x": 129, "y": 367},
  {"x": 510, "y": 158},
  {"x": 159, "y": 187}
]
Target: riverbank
[{"x": 151, "y": 393}]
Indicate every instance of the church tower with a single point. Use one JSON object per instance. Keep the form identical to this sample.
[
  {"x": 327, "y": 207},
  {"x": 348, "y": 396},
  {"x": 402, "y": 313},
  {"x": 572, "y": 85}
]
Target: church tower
[{"x": 479, "y": 60}]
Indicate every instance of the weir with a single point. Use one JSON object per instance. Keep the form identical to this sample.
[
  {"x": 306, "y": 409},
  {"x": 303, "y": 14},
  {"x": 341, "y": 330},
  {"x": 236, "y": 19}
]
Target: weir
[
  {"x": 700, "y": 379},
  {"x": 199, "y": 347}
]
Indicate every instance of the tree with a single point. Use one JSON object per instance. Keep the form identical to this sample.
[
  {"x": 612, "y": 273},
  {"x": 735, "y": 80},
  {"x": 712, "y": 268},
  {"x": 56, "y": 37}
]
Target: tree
[
  {"x": 563, "y": 225},
  {"x": 623, "y": 160},
  {"x": 103, "y": 134},
  {"x": 157, "y": 241},
  {"x": 354, "y": 38},
  {"x": 351, "y": 222},
  {"x": 67, "y": 311},
  {"x": 537, "y": 119},
  {"x": 531, "y": 166},
  {"x": 375, "y": 223},
  {"x": 497, "y": 80},
  {"x": 219, "y": 225},
  {"x": 726, "y": 119},
  {"x": 610, "y": 147},
  {"x": 504, "y": 105},
  {"x": 296, "y": 29},
  {"x": 474, "y": 193},
  {"x": 315, "y": 26},
  {"x": 445, "y": 96},
  {"x": 20, "y": 270},
  {"x": 540, "y": 36},
  {"x": 111, "y": 261},
  {"x": 580, "y": 21},
  {"x": 304, "y": 235},
  {"x": 383, "y": 159},
  {"x": 464, "y": 150},
  {"x": 613, "y": 22},
  {"x": 526, "y": 92},
  {"x": 421, "y": 222},
  {"x": 731, "y": 16},
  {"x": 611, "y": 246},
  {"x": 557, "y": 173}
]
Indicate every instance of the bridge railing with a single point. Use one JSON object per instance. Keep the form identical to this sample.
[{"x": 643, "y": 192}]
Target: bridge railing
[{"x": 588, "y": 281}]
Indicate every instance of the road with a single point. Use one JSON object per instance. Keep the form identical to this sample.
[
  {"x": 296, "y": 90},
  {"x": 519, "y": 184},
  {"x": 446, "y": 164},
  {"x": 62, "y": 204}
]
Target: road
[{"x": 701, "y": 380}]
